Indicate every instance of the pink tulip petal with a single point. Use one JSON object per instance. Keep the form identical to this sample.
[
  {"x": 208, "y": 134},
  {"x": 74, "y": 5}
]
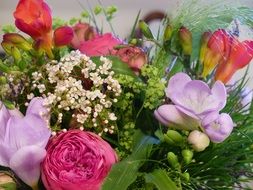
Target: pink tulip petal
[{"x": 26, "y": 163}]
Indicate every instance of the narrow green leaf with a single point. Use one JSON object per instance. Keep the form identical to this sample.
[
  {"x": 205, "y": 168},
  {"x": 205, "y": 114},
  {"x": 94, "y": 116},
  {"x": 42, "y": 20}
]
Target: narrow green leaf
[
  {"x": 135, "y": 24},
  {"x": 161, "y": 180},
  {"x": 145, "y": 30},
  {"x": 125, "y": 172}
]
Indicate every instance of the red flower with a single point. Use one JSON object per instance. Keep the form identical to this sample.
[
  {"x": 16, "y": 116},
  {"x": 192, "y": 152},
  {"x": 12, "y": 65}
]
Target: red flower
[
  {"x": 133, "y": 56},
  {"x": 33, "y": 17},
  {"x": 82, "y": 32},
  {"x": 240, "y": 55},
  {"x": 100, "y": 45}
]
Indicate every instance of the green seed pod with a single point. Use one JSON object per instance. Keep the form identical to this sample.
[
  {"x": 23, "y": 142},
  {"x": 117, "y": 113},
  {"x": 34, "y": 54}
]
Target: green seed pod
[{"x": 175, "y": 136}]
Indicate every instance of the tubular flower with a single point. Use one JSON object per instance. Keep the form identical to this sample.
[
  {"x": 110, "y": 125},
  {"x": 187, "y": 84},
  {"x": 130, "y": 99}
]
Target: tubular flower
[
  {"x": 215, "y": 51},
  {"x": 33, "y": 17},
  {"x": 240, "y": 55}
]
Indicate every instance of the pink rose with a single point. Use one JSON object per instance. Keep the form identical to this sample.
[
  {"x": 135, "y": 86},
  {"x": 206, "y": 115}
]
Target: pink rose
[
  {"x": 100, "y": 45},
  {"x": 82, "y": 32},
  {"x": 133, "y": 56},
  {"x": 77, "y": 160}
]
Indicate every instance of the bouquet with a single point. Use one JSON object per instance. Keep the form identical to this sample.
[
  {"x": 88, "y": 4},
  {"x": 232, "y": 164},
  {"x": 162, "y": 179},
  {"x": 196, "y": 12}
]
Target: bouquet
[{"x": 82, "y": 109}]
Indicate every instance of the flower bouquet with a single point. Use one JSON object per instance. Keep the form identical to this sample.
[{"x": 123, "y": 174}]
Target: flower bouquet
[{"x": 84, "y": 110}]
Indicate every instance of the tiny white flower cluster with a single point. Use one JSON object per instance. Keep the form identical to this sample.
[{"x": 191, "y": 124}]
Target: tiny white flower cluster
[{"x": 77, "y": 85}]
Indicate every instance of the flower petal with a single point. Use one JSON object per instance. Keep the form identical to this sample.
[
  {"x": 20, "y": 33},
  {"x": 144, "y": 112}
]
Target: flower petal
[
  {"x": 63, "y": 36},
  {"x": 26, "y": 163},
  {"x": 219, "y": 91},
  {"x": 6, "y": 154},
  {"x": 30, "y": 130},
  {"x": 176, "y": 84},
  {"x": 37, "y": 108},
  {"x": 219, "y": 129},
  {"x": 170, "y": 115},
  {"x": 4, "y": 116}
]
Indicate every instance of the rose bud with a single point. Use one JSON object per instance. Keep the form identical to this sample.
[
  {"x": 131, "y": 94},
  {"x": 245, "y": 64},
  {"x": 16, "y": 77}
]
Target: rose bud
[
  {"x": 185, "y": 39},
  {"x": 198, "y": 140},
  {"x": 77, "y": 160},
  {"x": 133, "y": 56},
  {"x": 82, "y": 32}
]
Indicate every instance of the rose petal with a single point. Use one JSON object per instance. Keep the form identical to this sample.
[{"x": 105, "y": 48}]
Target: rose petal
[{"x": 26, "y": 163}]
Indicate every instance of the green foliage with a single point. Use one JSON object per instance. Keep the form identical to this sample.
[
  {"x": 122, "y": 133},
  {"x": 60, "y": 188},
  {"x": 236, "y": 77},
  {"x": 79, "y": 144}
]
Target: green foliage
[
  {"x": 8, "y": 28},
  {"x": 125, "y": 172},
  {"x": 161, "y": 180}
]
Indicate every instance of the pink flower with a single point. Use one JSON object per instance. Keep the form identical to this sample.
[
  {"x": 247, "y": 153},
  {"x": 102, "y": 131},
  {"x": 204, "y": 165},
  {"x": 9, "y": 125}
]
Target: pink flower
[
  {"x": 82, "y": 32},
  {"x": 77, "y": 160},
  {"x": 133, "y": 56},
  {"x": 100, "y": 45}
]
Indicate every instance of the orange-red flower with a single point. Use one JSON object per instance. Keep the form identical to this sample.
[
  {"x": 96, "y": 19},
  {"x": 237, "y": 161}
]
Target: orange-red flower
[
  {"x": 33, "y": 17},
  {"x": 227, "y": 53},
  {"x": 213, "y": 53},
  {"x": 240, "y": 54}
]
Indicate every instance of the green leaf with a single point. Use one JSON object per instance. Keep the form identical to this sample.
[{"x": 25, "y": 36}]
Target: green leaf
[
  {"x": 118, "y": 66},
  {"x": 161, "y": 180},
  {"x": 125, "y": 172}
]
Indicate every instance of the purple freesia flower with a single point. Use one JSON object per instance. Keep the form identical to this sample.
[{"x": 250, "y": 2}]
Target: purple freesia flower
[
  {"x": 218, "y": 126},
  {"x": 194, "y": 97},
  {"x": 195, "y": 106},
  {"x": 23, "y": 140}
]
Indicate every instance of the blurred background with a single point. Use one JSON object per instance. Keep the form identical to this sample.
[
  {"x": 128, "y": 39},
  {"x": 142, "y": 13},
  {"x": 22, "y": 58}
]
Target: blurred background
[{"x": 124, "y": 18}]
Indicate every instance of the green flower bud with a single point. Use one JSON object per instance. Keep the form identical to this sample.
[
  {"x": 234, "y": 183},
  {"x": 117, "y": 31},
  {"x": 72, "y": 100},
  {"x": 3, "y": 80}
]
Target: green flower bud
[
  {"x": 172, "y": 159},
  {"x": 145, "y": 30},
  {"x": 167, "y": 33},
  {"x": 16, "y": 54},
  {"x": 175, "y": 136},
  {"x": 97, "y": 10},
  {"x": 17, "y": 40},
  {"x": 9, "y": 104},
  {"x": 186, "y": 176},
  {"x": 185, "y": 39},
  {"x": 187, "y": 156}
]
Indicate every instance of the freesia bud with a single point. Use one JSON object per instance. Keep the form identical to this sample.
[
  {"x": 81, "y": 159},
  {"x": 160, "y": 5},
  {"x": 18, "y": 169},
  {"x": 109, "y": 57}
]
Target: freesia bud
[
  {"x": 186, "y": 176},
  {"x": 185, "y": 39},
  {"x": 198, "y": 140},
  {"x": 175, "y": 136},
  {"x": 63, "y": 36},
  {"x": 145, "y": 30},
  {"x": 17, "y": 40},
  {"x": 7, "y": 182},
  {"x": 203, "y": 49},
  {"x": 16, "y": 54},
  {"x": 167, "y": 33},
  {"x": 172, "y": 159},
  {"x": 187, "y": 156}
]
